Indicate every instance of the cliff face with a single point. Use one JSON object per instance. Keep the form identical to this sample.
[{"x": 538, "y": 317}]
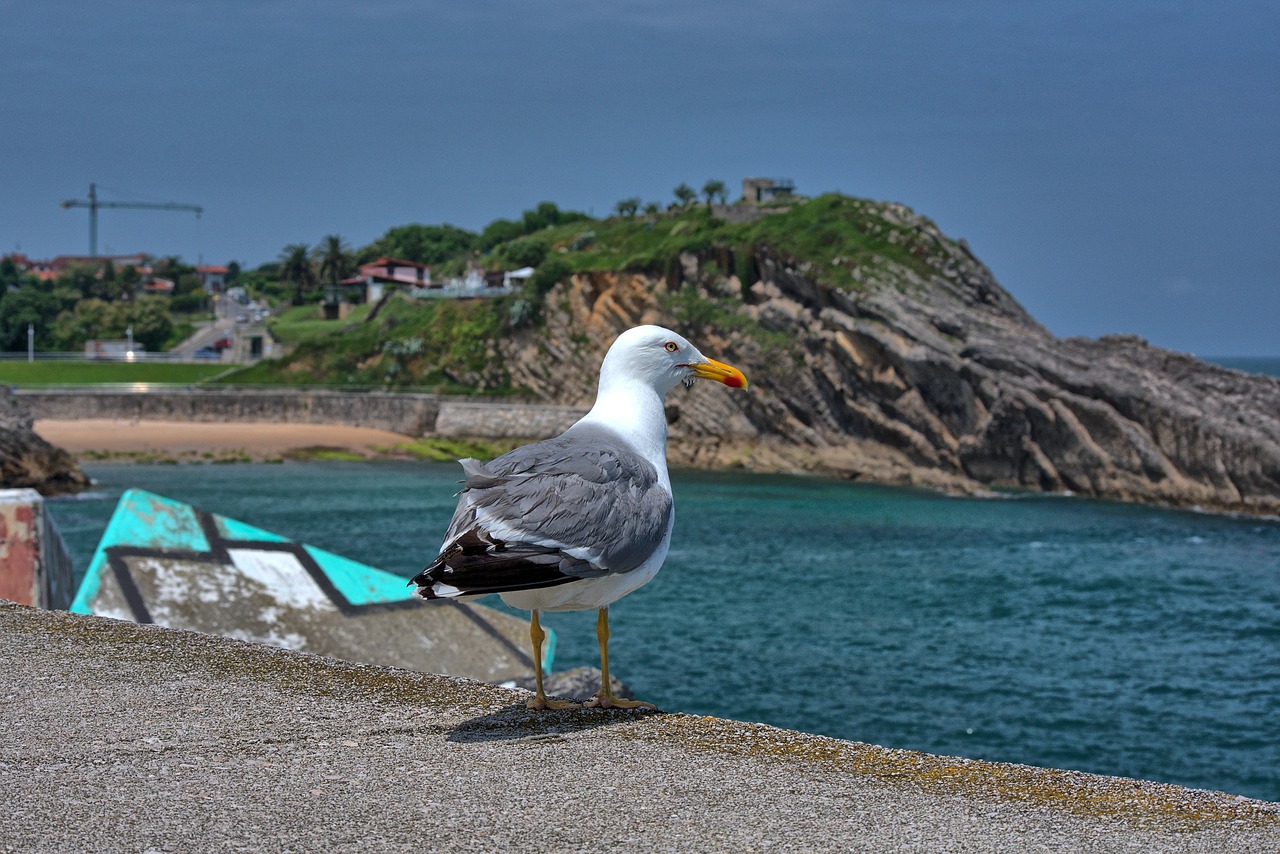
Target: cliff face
[
  {"x": 924, "y": 373},
  {"x": 26, "y": 460}
]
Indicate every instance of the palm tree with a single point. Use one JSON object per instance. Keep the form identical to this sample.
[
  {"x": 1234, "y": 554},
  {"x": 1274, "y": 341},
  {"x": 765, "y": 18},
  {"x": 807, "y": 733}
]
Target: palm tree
[
  {"x": 335, "y": 263},
  {"x": 296, "y": 269},
  {"x": 712, "y": 190},
  {"x": 685, "y": 194}
]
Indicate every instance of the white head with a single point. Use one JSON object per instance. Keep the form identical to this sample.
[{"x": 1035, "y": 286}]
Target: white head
[{"x": 662, "y": 359}]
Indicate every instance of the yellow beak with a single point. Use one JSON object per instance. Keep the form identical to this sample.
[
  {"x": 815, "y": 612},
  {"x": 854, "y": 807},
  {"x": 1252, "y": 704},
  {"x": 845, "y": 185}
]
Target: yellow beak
[{"x": 720, "y": 372}]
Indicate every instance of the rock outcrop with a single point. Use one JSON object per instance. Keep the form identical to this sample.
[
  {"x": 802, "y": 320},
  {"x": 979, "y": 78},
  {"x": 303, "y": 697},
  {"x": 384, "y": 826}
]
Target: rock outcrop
[
  {"x": 921, "y": 370},
  {"x": 26, "y": 460}
]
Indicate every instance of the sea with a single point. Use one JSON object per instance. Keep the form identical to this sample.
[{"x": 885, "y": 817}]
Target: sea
[{"x": 1045, "y": 630}]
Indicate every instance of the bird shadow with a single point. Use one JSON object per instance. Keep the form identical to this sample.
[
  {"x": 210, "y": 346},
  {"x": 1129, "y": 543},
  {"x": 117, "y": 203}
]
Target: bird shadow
[{"x": 519, "y": 723}]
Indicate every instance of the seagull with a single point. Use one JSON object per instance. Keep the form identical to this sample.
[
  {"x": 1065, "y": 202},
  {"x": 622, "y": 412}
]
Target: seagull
[{"x": 581, "y": 520}]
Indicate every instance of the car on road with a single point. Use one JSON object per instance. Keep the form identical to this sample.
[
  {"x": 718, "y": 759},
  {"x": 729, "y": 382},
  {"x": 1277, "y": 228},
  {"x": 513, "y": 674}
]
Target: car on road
[
  {"x": 207, "y": 353},
  {"x": 222, "y": 344}
]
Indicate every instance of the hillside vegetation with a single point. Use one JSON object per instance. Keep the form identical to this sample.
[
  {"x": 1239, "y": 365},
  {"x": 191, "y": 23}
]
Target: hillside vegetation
[
  {"x": 446, "y": 346},
  {"x": 455, "y": 346}
]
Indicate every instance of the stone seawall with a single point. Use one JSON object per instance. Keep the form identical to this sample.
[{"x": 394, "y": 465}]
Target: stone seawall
[
  {"x": 504, "y": 420},
  {"x": 410, "y": 414}
]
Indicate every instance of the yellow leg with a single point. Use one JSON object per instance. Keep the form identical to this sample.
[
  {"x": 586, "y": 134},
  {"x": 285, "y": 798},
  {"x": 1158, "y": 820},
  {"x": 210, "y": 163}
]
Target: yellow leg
[
  {"x": 605, "y": 699},
  {"x": 540, "y": 701}
]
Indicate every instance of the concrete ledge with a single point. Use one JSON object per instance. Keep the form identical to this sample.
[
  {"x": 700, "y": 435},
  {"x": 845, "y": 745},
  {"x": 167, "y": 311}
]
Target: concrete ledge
[{"x": 121, "y": 737}]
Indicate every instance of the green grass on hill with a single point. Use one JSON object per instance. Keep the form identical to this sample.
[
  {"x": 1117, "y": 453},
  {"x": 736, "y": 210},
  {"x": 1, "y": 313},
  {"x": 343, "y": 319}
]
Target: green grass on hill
[
  {"x": 307, "y": 321},
  {"x": 441, "y": 345},
  {"x": 50, "y": 373},
  {"x": 835, "y": 234}
]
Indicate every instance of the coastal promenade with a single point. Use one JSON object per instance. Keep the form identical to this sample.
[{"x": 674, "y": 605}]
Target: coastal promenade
[{"x": 125, "y": 737}]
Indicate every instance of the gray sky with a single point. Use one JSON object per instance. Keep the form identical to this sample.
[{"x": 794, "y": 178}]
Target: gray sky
[{"x": 1116, "y": 164}]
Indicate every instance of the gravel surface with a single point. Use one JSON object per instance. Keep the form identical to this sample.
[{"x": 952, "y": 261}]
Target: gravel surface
[{"x": 118, "y": 737}]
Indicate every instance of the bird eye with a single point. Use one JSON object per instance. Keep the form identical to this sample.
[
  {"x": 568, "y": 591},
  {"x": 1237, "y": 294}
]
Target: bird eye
[{"x": 671, "y": 346}]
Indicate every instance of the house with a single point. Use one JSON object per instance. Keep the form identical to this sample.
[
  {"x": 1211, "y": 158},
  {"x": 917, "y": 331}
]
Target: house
[
  {"x": 42, "y": 270},
  {"x": 213, "y": 277},
  {"x": 757, "y": 190},
  {"x": 376, "y": 277},
  {"x": 47, "y": 271},
  {"x": 157, "y": 285}
]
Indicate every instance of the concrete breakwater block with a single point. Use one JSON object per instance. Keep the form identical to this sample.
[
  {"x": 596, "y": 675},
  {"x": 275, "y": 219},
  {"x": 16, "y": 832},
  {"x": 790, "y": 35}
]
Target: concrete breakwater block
[{"x": 165, "y": 562}]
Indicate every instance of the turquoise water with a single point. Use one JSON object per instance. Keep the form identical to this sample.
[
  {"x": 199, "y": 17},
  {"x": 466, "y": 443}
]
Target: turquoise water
[{"x": 1044, "y": 630}]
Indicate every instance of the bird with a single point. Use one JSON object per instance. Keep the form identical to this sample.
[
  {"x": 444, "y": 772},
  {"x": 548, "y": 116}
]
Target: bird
[{"x": 580, "y": 520}]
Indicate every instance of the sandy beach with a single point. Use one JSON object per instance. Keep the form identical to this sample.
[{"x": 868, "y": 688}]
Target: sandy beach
[{"x": 108, "y": 437}]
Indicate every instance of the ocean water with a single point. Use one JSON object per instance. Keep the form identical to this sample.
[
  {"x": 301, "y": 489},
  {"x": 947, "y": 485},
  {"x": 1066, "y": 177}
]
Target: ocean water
[
  {"x": 1268, "y": 365},
  {"x": 1044, "y": 630}
]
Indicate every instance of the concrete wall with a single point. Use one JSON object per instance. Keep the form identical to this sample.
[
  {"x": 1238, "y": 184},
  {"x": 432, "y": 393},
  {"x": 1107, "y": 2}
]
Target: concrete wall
[
  {"x": 410, "y": 414},
  {"x": 35, "y": 568},
  {"x": 504, "y": 420}
]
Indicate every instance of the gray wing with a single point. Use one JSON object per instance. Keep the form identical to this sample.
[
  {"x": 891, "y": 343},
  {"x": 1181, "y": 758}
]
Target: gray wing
[{"x": 581, "y": 505}]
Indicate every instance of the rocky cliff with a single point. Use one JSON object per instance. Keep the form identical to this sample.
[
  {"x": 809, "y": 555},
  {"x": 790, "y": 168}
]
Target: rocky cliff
[
  {"x": 26, "y": 460},
  {"x": 916, "y": 367}
]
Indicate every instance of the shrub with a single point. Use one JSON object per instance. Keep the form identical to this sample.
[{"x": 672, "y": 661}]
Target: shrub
[{"x": 525, "y": 252}]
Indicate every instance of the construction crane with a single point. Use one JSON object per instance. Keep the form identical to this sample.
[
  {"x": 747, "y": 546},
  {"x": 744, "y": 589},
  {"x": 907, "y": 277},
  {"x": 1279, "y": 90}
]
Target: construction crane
[{"x": 93, "y": 204}]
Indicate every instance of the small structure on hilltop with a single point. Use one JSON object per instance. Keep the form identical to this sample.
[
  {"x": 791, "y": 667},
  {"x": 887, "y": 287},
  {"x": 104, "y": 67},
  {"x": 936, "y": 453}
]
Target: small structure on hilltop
[{"x": 759, "y": 190}]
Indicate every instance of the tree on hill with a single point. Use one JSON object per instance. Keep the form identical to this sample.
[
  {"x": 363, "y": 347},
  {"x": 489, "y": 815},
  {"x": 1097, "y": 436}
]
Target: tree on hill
[
  {"x": 296, "y": 270},
  {"x": 684, "y": 194},
  {"x": 525, "y": 252},
  {"x": 424, "y": 244},
  {"x": 714, "y": 190},
  {"x": 628, "y": 207},
  {"x": 334, "y": 259},
  {"x": 499, "y": 231},
  {"x": 547, "y": 214}
]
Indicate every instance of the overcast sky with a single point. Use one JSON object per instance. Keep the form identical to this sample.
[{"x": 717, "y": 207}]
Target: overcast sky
[{"x": 1116, "y": 164}]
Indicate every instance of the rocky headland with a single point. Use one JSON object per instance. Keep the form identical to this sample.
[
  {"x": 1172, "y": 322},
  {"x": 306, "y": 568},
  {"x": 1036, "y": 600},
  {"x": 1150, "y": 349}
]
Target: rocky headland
[
  {"x": 915, "y": 367},
  {"x": 879, "y": 349},
  {"x": 26, "y": 460}
]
